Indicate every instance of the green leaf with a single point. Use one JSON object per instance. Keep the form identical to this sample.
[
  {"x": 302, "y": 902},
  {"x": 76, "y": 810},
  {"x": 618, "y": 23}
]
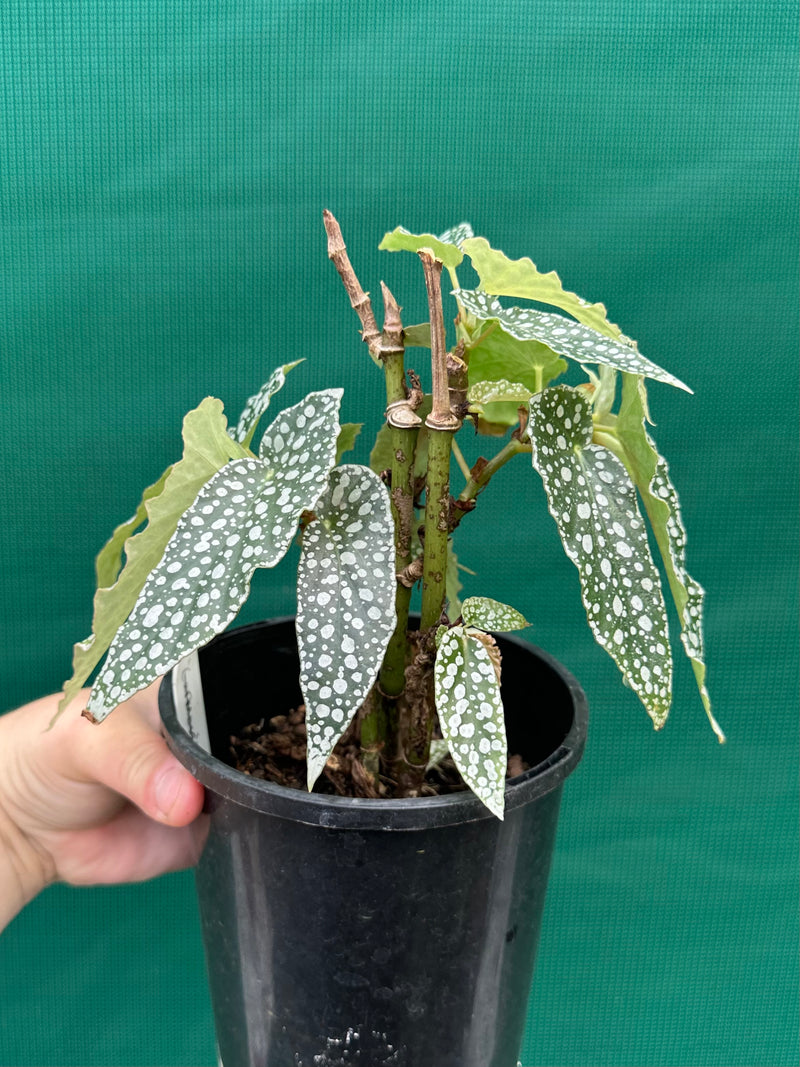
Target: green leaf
[
  {"x": 498, "y": 357},
  {"x": 400, "y": 240},
  {"x": 491, "y": 615},
  {"x": 470, "y": 710},
  {"x": 207, "y": 447},
  {"x": 245, "y": 517},
  {"x": 456, "y": 235},
  {"x": 259, "y": 402},
  {"x": 650, "y": 474},
  {"x": 418, "y": 336},
  {"x": 347, "y": 438},
  {"x": 345, "y": 604},
  {"x": 593, "y": 501},
  {"x": 109, "y": 560},
  {"x": 502, "y": 276},
  {"x": 565, "y": 337}
]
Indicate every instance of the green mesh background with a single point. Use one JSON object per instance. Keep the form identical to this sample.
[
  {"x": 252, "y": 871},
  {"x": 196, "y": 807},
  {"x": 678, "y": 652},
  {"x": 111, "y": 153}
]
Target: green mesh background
[{"x": 162, "y": 172}]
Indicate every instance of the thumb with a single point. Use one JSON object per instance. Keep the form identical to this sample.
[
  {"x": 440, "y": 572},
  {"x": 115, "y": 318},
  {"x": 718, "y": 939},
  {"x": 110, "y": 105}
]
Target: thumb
[{"x": 127, "y": 754}]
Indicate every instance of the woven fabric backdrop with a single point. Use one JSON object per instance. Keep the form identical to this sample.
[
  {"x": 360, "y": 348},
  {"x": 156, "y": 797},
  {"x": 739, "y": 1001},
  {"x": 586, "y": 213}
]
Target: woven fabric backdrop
[{"x": 164, "y": 167}]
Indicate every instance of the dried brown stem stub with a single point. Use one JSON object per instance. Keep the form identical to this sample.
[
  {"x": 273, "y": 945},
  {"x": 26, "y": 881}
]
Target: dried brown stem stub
[
  {"x": 440, "y": 418},
  {"x": 392, "y": 341},
  {"x": 359, "y": 300}
]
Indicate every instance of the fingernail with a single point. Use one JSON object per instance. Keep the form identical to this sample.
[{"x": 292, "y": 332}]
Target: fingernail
[{"x": 167, "y": 786}]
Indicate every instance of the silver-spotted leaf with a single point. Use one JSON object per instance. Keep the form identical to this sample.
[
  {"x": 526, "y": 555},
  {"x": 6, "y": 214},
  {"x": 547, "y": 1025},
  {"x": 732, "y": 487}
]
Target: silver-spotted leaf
[
  {"x": 488, "y": 614},
  {"x": 564, "y": 337},
  {"x": 490, "y": 392},
  {"x": 259, "y": 402},
  {"x": 207, "y": 447},
  {"x": 345, "y": 604},
  {"x": 502, "y": 276},
  {"x": 650, "y": 473},
  {"x": 400, "y": 240},
  {"x": 593, "y": 501},
  {"x": 497, "y": 357},
  {"x": 470, "y": 711},
  {"x": 456, "y": 235},
  {"x": 244, "y": 517}
]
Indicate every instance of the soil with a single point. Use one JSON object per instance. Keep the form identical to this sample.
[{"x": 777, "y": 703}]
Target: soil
[{"x": 275, "y": 750}]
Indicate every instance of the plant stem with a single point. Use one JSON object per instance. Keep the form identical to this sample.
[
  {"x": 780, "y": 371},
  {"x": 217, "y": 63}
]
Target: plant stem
[
  {"x": 359, "y": 300},
  {"x": 481, "y": 476},
  {"x": 442, "y": 424},
  {"x": 391, "y": 679}
]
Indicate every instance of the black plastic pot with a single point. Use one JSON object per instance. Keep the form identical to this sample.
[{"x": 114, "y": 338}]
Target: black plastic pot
[{"x": 386, "y": 933}]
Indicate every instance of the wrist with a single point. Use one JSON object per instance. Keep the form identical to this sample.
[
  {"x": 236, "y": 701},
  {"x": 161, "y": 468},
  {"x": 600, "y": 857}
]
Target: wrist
[
  {"x": 25, "y": 867},
  {"x": 25, "y": 870}
]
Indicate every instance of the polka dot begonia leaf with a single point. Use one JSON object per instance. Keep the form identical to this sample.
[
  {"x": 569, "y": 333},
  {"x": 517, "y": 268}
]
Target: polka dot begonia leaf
[
  {"x": 470, "y": 711},
  {"x": 593, "y": 501},
  {"x": 456, "y": 235},
  {"x": 258, "y": 404},
  {"x": 500, "y": 390},
  {"x": 650, "y": 473},
  {"x": 563, "y": 336},
  {"x": 345, "y": 604},
  {"x": 488, "y": 614},
  {"x": 244, "y": 517},
  {"x": 207, "y": 447}
]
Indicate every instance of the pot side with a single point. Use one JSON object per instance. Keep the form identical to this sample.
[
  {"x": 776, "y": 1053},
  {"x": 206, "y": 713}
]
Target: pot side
[{"x": 386, "y": 933}]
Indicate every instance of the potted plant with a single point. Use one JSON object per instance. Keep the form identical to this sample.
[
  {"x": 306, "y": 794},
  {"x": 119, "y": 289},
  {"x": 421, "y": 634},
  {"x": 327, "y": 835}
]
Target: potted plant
[{"x": 389, "y": 913}]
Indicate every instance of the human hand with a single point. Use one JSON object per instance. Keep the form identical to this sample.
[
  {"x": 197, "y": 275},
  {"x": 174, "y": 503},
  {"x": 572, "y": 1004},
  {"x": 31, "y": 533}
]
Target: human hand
[{"x": 91, "y": 804}]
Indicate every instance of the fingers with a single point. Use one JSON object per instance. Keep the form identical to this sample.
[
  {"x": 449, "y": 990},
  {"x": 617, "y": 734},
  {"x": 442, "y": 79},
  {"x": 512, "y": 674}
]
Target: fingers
[{"x": 127, "y": 754}]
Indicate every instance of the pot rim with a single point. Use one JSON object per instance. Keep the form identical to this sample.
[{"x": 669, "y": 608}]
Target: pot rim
[{"x": 361, "y": 813}]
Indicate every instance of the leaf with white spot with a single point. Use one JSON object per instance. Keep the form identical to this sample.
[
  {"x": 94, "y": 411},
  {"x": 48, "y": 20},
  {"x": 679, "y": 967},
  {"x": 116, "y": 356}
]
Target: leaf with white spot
[
  {"x": 400, "y": 240},
  {"x": 564, "y": 337},
  {"x": 456, "y": 235},
  {"x": 650, "y": 473},
  {"x": 470, "y": 711},
  {"x": 207, "y": 447},
  {"x": 488, "y": 614},
  {"x": 345, "y": 604},
  {"x": 258, "y": 404},
  {"x": 593, "y": 501},
  {"x": 490, "y": 392},
  {"x": 244, "y": 517},
  {"x": 502, "y": 276}
]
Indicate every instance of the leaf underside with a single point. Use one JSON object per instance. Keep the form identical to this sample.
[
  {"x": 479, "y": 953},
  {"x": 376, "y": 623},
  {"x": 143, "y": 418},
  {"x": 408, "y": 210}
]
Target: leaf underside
[
  {"x": 345, "y": 604},
  {"x": 593, "y": 501},
  {"x": 470, "y": 711},
  {"x": 502, "y": 276},
  {"x": 207, "y": 448},
  {"x": 400, "y": 240},
  {"x": 245, "y": 517},
  {"x": 650, "y": 473},
  {"x": 564, "y": 337}
]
